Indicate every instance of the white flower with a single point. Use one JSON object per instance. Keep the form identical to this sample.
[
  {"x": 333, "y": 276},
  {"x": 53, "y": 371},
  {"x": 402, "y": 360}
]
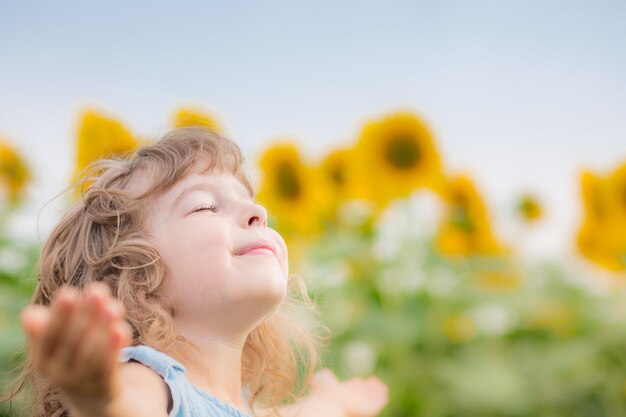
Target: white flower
[
  {"x": 325, "y": 275},
  {"x": 359, "y": 358},
  {"x": 355, "y": 212},
  {"x": 492, "y": 319},
  {"x": 12, "y": 260}
]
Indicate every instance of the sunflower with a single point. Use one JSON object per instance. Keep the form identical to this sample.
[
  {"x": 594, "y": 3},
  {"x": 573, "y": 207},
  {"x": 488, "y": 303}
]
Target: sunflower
[
  {"x": 334, "y": 169},
  {"x": 333, "y": 172},
  {"x": 601, "y": 246},
  {"x": 291, "y": 191},
  {"x": 192, "y": 116},
  {"x": 617, "y": 184},
  {"x": 529, "y": 208},
  {"x": 100, "y": 137},
  {"x": 595, "y": 195},
  {"x": 601, "y": 237},
  {"x": 393, "y": 157},
  {"x": 465, "y": 229},
  {"x": 590, "y": 238},
  {"x": 14, "y": 173}
]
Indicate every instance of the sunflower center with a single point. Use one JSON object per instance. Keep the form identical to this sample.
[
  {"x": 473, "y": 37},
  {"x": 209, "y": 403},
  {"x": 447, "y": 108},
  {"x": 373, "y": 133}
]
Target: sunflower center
[
  {"x": 288, "y": 183},
  {"x": 12, "y": 172},
  {"x": 338, "y": 175},
  {"x": 461, "y": 220},
  {"x": 529, "y": 208},
  {"x": 597, "y": 206},
  {"x": 403, "y": 152},
  {"x": 461, "y": 213}
]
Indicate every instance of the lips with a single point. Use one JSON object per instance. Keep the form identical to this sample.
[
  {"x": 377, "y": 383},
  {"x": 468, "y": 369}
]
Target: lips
[{"x": 263, "y": 244}]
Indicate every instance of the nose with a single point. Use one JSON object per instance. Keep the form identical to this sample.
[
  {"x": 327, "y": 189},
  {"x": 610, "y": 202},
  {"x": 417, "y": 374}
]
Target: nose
[{"x": 256, "y": 215}]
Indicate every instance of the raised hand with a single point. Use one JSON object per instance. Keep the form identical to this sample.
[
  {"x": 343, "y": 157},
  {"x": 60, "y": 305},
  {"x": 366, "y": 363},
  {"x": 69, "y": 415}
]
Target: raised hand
[
  {"x": 357, "y": 397},
  {"x": 75, "y": 343}
]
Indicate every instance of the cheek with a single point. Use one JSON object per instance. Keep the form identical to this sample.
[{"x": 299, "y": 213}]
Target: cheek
[
  {"x": 198, "y": 265},
  {"x": 190, "y": 251},
  {"x": 284, "y": 255}
]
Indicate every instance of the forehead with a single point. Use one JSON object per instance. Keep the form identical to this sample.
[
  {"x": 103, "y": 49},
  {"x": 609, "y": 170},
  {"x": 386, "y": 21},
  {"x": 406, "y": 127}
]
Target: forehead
[
  {"x": 215, "y": 181},
  {"x": 203, "y": 172},
  {"x": 154, "y": 185}
]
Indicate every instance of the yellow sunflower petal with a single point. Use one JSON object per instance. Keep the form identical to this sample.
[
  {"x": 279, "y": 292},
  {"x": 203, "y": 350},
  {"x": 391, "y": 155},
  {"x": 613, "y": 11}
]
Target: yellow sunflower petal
[
  {"x": 593, "y": 191},
  {"x": 14, "y": 173},
  {"x": 617, "y": 185},
  {"x": 334, "y": 168},
  {"x": 601, "y": 237},
  {"x": 192, "y": 116},
  {"x": 466, "y": 229},
  {"x": 333, "y": 172},
  {"x": 98, "y": 137}
]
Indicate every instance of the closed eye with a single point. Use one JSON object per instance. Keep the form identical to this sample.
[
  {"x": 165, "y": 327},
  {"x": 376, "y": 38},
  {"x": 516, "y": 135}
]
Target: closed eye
[{"x": 211, "y": 207}]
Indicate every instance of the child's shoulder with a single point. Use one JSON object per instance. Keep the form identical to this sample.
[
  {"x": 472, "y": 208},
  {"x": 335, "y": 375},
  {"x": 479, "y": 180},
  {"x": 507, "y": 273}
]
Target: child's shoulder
[
  {"x": 140, "y": 386},
  {"x": 154, "y": 359},
  {"x": 161, "y": 372}
]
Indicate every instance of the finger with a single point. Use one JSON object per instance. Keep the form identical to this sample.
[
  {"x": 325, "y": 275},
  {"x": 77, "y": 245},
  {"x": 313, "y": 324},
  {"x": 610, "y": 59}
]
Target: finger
[
  {"x": 99, "y": 288},
  {"x": 99, "y": 353},
  {"x": 323, "y": 379},
  {"x": 34, "y": 318},
  {"x": 62, "y": 307},
  {"x": 118, "y": 329},
  {"x": 325, "y": 375},
  {"x": 378, "y": 387},
  {"x": 122, "y": 334},
  {"x": 94, "y": 354},
  {"x": 84, "y": 318}
]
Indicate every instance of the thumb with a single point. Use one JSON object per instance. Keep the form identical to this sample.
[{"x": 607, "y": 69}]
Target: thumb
[
  {"x": 34, "y": 320},
  {"x": 323, "y": 379},
  {"x": 123, "y": 334}
]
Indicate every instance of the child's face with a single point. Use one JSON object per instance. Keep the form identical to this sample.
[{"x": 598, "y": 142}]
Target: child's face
[{"x": 199, "y": 227}]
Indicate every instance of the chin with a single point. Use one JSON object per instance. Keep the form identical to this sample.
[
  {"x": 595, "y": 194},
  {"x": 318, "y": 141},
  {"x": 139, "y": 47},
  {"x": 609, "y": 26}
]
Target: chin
[
  {"x": 278, "y": 290},
  {"x": 264, "y": 305},
  {"x": 268, "y": 288}
]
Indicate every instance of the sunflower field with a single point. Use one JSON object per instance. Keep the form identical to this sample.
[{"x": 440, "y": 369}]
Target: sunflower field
[{"x": 407, "y": 268}]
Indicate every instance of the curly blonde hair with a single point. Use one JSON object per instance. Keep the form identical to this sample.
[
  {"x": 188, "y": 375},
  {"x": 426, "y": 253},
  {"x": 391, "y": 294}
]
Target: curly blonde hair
[{"x": 103, "y": 238}]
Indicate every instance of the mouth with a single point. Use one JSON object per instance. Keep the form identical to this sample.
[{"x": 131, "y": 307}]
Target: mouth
[{"x": 257, "y": 248}]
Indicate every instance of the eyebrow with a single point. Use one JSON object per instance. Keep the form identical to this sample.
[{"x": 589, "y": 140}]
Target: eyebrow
[{"x": 204, "y": 186}]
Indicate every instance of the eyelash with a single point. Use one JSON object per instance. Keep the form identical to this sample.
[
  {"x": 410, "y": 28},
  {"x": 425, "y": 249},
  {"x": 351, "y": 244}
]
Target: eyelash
[{"x": 211, "y": 207}]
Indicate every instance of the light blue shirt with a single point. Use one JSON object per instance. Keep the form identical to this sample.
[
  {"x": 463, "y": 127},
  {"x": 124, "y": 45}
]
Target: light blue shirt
[{"x": 187, "y": 399}]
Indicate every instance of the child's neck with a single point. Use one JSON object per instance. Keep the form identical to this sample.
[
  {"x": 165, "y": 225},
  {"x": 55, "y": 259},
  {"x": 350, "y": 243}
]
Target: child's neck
[{"x": 213, "y": 364}]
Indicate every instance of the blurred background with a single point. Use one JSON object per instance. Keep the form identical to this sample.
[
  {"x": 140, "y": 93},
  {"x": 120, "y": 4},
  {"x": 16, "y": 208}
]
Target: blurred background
[{"x": 450, "y": 176}]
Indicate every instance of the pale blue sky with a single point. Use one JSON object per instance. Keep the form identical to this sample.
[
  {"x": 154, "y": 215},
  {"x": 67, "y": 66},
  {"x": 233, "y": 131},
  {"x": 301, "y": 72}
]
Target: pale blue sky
[{"x": 519, "y": 93}]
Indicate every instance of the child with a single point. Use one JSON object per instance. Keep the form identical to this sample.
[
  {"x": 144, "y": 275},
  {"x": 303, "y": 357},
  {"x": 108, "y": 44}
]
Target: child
[{"x": 163, "y": 292}]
